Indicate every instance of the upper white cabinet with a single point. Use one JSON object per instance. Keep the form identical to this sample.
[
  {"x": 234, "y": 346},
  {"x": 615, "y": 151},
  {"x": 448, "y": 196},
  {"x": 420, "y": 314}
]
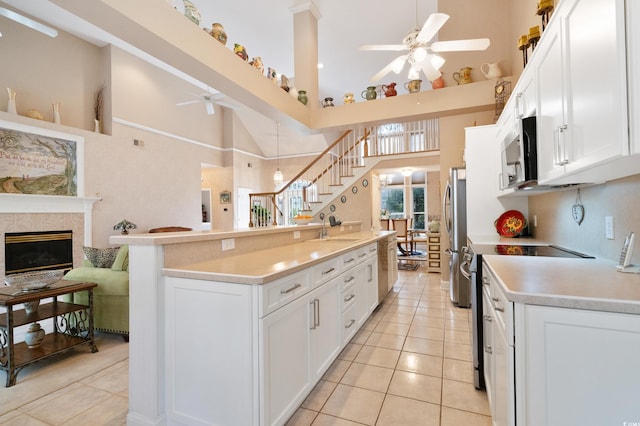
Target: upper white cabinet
[
  {"x": 633, "y": 73},
  {"x": 580, "y": 75}
]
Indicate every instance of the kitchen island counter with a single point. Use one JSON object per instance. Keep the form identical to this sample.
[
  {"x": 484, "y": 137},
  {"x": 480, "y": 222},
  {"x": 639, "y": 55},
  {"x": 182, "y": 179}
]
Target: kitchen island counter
[{"x": 264, "y": 266}]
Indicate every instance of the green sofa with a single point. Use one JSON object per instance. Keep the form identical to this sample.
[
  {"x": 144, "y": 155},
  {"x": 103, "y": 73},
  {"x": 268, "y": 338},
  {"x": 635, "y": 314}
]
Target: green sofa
[{"x": 111, "y": 296}]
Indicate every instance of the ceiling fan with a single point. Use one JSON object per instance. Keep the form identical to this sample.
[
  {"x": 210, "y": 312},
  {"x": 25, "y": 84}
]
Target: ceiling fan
[
  {"x": 423, "y": 56},
  {"x": 209, "y": 99}
]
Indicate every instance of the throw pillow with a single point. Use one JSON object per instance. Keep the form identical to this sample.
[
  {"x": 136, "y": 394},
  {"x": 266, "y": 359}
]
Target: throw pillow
[
  {"x": 121, "y": 263},
  {"x": 100, "y": 258}
]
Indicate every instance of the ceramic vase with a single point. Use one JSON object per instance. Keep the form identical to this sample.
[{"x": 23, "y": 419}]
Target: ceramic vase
[
  {"x": 217, "y": 32},
  {"x": 191, "y": 12},
  {"x": 56, "y": 112},
  {"x": 302, "y": 96},
  {"x": 34, "y": 335},
  {"x": 369, "y": 94},
  {"x": 31, "y": 307},
  {"x": 11, "y": 105}
]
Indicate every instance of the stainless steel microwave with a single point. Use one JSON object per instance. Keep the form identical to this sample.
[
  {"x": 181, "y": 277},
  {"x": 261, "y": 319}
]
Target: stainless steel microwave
[{"x": 519, "y": 156}]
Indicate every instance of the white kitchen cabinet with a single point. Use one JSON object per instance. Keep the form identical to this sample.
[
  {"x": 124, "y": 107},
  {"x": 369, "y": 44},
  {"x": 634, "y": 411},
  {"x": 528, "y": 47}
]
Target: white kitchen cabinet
[
  {"x": 581, "y": 90},
  {"x": 325, "y": 330},
  {"x": 499, "y": 365},
  {"x": 525, "y": 98},
  {"x": 578, "y": 367},
  {"x": 633, "y": 73},
  {"x": 286, "y": 349}
]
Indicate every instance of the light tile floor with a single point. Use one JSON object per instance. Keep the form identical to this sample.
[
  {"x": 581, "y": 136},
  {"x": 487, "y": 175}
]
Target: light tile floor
[{"x": 410, "y": 364}]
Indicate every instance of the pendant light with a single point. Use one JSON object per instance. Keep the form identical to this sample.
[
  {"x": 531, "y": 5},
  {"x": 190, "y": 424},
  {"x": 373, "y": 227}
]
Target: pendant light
[{"x": 277, "y": 176}]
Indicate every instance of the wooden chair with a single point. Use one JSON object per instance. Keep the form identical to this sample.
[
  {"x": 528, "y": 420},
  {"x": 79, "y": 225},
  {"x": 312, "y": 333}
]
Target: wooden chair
[
  {"x": 401, "y": 226},
  {"x": 384, "y": 224}
]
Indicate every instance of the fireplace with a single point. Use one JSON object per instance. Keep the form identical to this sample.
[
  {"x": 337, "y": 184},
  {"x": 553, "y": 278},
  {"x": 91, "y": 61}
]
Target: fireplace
[{"x": 38, "y": 251}]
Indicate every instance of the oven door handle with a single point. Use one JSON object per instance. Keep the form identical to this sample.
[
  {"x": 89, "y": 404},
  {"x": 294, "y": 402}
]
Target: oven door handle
[{"x": 464, "y": 267}]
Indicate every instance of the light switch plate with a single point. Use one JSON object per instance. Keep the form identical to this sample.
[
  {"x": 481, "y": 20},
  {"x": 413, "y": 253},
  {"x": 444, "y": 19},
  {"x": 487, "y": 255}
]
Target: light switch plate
[{"x": 609, "y": 227}]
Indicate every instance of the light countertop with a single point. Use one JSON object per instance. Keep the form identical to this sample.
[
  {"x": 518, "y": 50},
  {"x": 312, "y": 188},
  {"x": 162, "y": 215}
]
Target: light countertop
[
  {"x": 263, "y": 266},
  {"x": 567, "y": 282}
]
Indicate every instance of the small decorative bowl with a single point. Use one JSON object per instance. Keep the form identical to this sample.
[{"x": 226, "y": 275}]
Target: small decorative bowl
[
  {"x": 302, "y": 221},
  {"x": 33, "y": 280}
]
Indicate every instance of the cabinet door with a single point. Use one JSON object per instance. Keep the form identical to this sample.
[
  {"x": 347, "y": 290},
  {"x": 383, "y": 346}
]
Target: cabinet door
[
  {"x": 371, "y": 283},
  {"x": 581, "y": 367},
  {"x": 325, "y": 330},
  {"x": 503, "y": 387},
  {"x": 596, "y": 103},
  {"x": 550, "y": 111},
  {"x": 286, "y": 356},
  {"x": 487, "y": 335}
]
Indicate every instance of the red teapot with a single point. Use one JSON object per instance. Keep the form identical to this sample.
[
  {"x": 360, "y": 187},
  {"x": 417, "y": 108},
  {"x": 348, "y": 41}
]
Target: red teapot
[{"x": 389, "y": 90}]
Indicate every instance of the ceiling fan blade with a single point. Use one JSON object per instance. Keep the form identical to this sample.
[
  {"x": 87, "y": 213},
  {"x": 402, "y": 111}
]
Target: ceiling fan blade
[
  {"x": 461, "y": 45},
  {"x": 392, "y": 47},
  {"x": 187, "y": 103},
  {"x": 386, "y": 70},
  {"x": 210, "y": 109},
  {"x": 434, "y": 22},
  {"x": 429, "y": 70}
]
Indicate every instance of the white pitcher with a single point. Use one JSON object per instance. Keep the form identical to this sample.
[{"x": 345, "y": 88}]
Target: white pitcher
[{"x": 491, "y": 70}]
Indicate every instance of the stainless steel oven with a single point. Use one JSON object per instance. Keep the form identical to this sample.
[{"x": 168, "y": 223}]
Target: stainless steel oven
[{"x": 471, "y": 267}]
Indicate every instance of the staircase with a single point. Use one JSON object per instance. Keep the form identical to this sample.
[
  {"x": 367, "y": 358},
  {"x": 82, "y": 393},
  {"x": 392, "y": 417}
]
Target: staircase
[{"x": 344, "y": 162}]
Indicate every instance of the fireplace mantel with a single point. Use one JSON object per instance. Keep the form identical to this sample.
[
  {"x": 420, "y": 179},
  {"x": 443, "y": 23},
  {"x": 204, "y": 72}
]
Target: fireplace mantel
[
  {"x": 44, "y": 204},
  {"x": 25, "y": 203}
]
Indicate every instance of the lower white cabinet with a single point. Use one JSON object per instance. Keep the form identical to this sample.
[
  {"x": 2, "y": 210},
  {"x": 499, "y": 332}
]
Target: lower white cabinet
[
  {"x": 250, "y": 354},
  {"x": 577, "y": 367}
]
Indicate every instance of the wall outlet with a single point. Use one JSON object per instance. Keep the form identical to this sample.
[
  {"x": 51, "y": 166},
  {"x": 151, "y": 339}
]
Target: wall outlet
[
  {"x": 228, "y": 244},
  {"x": 609, "y": 229},
  {"x": 296, "y": 235}
]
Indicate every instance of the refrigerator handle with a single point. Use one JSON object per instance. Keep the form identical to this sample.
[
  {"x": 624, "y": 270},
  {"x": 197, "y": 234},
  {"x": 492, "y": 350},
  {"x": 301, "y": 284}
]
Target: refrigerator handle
[{"x": 446, "y": 202}]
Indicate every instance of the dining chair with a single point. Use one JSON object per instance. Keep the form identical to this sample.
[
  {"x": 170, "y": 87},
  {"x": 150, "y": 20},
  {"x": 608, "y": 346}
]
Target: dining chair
[
  {"x": 401, "y": 227},
  {"x": 384, "y": 224}
]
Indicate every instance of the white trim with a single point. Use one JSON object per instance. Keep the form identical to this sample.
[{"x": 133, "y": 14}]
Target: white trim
[{"x": 195, "y": 142}]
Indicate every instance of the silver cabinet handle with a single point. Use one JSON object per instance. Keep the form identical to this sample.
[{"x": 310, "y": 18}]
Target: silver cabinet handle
[
  {"x": 318, "y": 305},
  {"x": 361, "y": 255},
  {"x": 499, "y": 309},
  {"x": 495, "y": 299},
  {"x": 373, "y": 249},
  {"x": 351, "y": 278},
  {"x": 349, "y": 261},
  {"x": 313, "y": 325},
  {"x": 328, "y": 271},
  {"x": 350, "y": 323},
  {"x": 488, "y": 349},
  {"x": 349, "y": 297},
  {"x": 485, "y": 280},
  {"x": 289, "y": 290},
  {"x": 488, "y": 318}
]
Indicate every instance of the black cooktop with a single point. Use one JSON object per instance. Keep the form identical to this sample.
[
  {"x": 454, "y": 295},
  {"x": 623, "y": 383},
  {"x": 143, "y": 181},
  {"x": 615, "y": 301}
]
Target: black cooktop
[{"x": 527, "y": 250}]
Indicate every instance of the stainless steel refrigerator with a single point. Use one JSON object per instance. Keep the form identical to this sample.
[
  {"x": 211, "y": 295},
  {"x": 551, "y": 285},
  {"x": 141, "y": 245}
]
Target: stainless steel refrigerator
[{"x": 454, "y": 215}]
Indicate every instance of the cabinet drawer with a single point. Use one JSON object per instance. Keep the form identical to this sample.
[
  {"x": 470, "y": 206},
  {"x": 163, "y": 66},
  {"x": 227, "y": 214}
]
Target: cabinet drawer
[
  {"x": 434, "y": 264},
  {"x": 433, "y": 239},
  {"x": 349, "y": 324},
  {"x": 348, "y": 279},
  {"x": 280, "y": 292},
  {"x": 325, "y": 271},
  {"x": 348, "y": 298},
  {"x": 435, "y": 256},
  {"x": 349, "y": 260}
]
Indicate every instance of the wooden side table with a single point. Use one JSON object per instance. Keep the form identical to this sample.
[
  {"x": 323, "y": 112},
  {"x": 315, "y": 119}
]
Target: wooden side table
[{"x": 73, "y": 325}]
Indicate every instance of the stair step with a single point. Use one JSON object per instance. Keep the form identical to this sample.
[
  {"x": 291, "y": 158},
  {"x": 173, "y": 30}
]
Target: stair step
[
  {"x": 325, "y": 193},
  {"x": 315, "y": 202},
  {"x": 342, "y": 176},
  {"x": 336, "y": 184}
]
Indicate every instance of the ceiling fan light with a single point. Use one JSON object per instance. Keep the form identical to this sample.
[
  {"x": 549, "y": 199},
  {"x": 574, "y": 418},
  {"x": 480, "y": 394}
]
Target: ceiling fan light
[
  {"x": 437, "y": 61},
  {"x": 419, "y": 54},
  {"x": 398, "y": 64},
  {"x": 414, "y": 73}
]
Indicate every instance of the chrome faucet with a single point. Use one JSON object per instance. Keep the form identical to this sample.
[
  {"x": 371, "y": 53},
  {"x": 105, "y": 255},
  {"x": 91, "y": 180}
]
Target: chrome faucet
[{"x": 323, "y": 233}]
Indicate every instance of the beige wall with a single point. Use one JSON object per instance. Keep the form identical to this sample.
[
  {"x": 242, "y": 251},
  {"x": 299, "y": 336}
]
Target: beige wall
[
  {"x": 476, "y": 19},
  {"x": 619, "y": 199}
]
